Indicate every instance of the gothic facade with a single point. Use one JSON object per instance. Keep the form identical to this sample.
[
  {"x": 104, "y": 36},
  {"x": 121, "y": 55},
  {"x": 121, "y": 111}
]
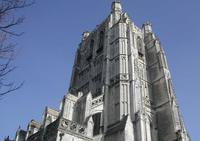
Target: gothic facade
[{"x": 121, "y": 89}]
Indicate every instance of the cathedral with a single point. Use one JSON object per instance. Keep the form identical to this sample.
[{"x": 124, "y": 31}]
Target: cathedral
[{"x": 121, "y": 89}]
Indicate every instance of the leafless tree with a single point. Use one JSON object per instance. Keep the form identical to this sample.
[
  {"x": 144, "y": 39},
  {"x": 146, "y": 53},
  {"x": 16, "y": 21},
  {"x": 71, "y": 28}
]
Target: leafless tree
[{"x": 8, "y": 23}]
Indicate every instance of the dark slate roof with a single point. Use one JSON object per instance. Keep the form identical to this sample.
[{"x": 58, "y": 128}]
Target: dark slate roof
[{"x": 117, "y": 127}]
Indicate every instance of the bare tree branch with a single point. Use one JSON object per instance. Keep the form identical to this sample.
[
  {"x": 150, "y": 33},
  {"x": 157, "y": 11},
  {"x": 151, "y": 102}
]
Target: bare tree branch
[
  {"x": 8, "y": 5},
  {"x": 8, "y": 23},
  {"x": 12, "y": 88},
  {"x": 7, "y": 8}
]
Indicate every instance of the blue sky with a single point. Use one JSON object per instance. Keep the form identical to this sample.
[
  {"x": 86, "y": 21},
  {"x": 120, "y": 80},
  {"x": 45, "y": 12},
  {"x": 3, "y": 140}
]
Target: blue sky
[{"x": 53, "y": 31}]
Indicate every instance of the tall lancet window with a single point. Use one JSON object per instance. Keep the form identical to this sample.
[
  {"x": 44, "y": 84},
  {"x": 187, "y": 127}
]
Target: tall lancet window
[
  {"x": 89, "y": 55},
  {"x": 97, "y": 121},
  {"x": 101, "y": 42},
  {"x": 92, "y": 44},
  {"x": 48, "y": 120},
  {"x": 140, "y": 48}
]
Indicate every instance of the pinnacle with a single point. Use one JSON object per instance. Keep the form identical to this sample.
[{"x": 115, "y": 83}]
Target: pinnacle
[
  {"x": 119, "y": 1},
  {"x": 116, "y": 1},
  {"x": 116, "y": 5}
]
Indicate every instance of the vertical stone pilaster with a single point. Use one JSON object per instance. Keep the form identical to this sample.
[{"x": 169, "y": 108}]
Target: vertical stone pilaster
[{"x": 148, "y": 130}]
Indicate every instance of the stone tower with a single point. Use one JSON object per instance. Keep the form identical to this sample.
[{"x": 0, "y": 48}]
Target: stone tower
[{"x": 121, "y": 89}]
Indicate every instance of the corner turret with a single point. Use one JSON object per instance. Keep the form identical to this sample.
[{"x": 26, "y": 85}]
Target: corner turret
[
  {"x": 116, "y": 11},
  {"x": 147, "y": 27},
  {"x": 116, "y": 6}
]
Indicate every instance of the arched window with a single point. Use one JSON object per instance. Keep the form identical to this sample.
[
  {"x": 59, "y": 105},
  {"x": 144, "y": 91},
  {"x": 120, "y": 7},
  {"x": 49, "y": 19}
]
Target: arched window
[
  {"x": 89, "y": 55},
  {"x": 48, "y": 120},
  {"x": 140, "y": 47},
  {"x": 101, "y": 39},
  {"x": 97, "y": 123},
  {"x": 101, "y": 42},
  {"x": 139, "y": 43},
  {"x": 92, "y": 44}
]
